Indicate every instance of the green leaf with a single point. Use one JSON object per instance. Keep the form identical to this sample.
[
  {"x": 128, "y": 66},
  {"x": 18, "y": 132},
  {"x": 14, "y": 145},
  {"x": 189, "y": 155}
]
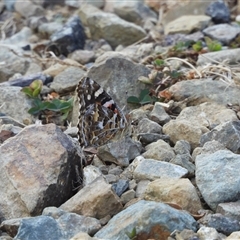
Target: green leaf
[
  {"x": 59, "y": 105},
  {"x": 146, "y": 99},
  {"x": 197, "y": 46},
  {"x": 132, "y": 234},
  {"x": 143, "y": 93},
  {"x": 212, "y": 44},
  {"x": 28, "y": 91},
  {"x": 133, "y": 99},
  {"x": 159, "y": 62},
  {"x": 34, "y": 110}
]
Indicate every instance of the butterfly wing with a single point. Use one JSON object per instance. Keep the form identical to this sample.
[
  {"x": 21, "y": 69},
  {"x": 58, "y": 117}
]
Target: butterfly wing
[{"x": 100, "y": 117}]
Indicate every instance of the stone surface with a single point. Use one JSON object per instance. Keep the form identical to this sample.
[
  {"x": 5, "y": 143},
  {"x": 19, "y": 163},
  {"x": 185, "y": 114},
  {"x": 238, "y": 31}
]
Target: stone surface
[
  {"x": 184, "y": 130},
  {"x": 206, "y": 90},
  {"x": 217, "y": 177},
  {"x": 222, "y": 32},
  {"x": 234, "y": 236},
  {"x": 207, "y": 233},
  {"x": 182, "y": 147},
  {"x": 228, "y": 134},
  {"x": 127, "y": 196},
  {"x": 219, "y": 12},
  {"x": 49, "y": 28},
  {"x": 28, "y": 8},
  {"x": 187, "y": 24},
  {"x": 90, "y": 173},
  {"x": 18, "y": 108},
  {"x": 147, "y": 126},
  {"x": 150, "y": 169},
  {"x": 159, "y": 114},
  {"x": 178, "y": 191},
  {"x": 120, "y": 186},
  {"x": 144, "y": 217},
  {"x": 82, "y": 56},
  {"x": 71, "y": 37},
  {"x": 92, "y": 199},
  {"x": 229, "y": 209},
  {"x": 37, "y": 170},
  {"x": 159, "y": 150},
  {"x": 120, "y": 152},
  {"x": 67, "y": 80}
]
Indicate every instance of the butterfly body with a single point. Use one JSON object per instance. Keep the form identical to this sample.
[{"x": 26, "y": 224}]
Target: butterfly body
[{"x": 100, "y": 117}]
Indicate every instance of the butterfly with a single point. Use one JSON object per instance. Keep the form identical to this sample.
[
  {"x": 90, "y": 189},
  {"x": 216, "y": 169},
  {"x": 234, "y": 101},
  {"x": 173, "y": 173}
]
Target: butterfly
[{"x": 100, "y": 118}]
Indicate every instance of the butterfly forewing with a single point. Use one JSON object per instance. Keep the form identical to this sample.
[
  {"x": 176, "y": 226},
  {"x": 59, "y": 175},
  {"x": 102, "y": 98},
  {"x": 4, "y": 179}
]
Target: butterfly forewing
[{"x": 100, "y": 118}]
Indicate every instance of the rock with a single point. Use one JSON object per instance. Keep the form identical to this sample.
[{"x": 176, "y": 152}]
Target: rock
[
  {"x": 182, "y": 147},
  {"x": 92, "y": 200},
  {"x": 147, "y": 126},
  {"x": 118, "y": 75},
  {"x": 110, "y": 178},
  {"x": 49, "y": 28},
  {"x": 67, "y": 80},
  {"x": 29, "y": 180},
  {"x": 205, "y": 90},
  {"x": 11, "y": 63},
  {"x": 184, "y": 234},
  {"x": 136, "y": 12},
  {"x": 39, "y": 228},
  {"x": 228, "y": 134},
  {"x": 99, "y": 21},
  {"x": 83, "y": 236},
  {"x": 221, "y": 223},
  {"x": 71, "y": 37},
  {"x": 147, "y": 138},
  {"x": 219, "y": 12},
  {"x": 159, "y": 114},
  {"x": 127, "y": 196},
  {"x": 176, "y": 191},
  {"x": 120, "y": 152},
  {"x": 82, "y": 56},
  {"x": 234, "y": 236},
  {"x": 207, "y": 233},
  {"x": 184, "y": 160},
  {"x": 229, "y": 209},
  {"x": 15, "y": 104},
  {"x": 187, "y": 24},
  {"x": 120, "y": 186},
  {"x": 207, "y": 114},
  {"x": 144, "y": 217},
  {"x": 141, "y": 188},
  {"x": 159, "y": 150},
  {"x": 138, "y": 114},
  {"x": 184, "y": 130},
  {"x": 151, "y": 169},
  {"x": 90, "y": 173},
  {"x": 28, "y": 8},
  {"x": 11, "y": 226},
  {"x": 223, "y": 33},
  {"x": 217, "y": 177}
]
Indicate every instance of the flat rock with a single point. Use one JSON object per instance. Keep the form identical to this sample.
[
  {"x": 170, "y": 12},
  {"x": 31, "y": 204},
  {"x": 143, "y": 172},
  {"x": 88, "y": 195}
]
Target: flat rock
[
  {"x": 158, "y": 114},
  {"x": 30, "y": 180},
  {"x": 178, "y": 191},
  {"x": 150, "y": 169},
  {"x": 94, "y": 200},
  {"x": 28, "y": 8},
  {"x": 144, "y": 217},
  {"x": 229, "y": 209},
  {"x": 147, "y": 126},
  {"x": 195, "y": 92},
  {"x": 223, "y": 33},
  {"x": 187, "y": 24},
  {"x": 15, "y": 104},
  {"x": 217, "y": 177}
]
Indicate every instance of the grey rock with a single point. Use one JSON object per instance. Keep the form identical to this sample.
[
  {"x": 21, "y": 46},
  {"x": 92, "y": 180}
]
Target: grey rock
[
  {"x": 127, "y": 196},
  {"x": 71, "y": 37},
  {"x": 229, "y": 209},
  {"x": 110, "y": 178},
  {"x": 28, "y": 187},
  {"x": 9, "y": 4},
  {"x": 185, "y": 234},
  {"x": 117, "y": 76},
  {"x": 28, "y": 8},
  {"x": 141, "y": 188},
  {"x": 39, "y": 228},
  {"x": 217, "y": 177},
  {"x": 208, "y": 233},
  {"x": 18, "y": 108},
  {"x": 92, "y": 200},
  {"x": 138, "y": 114},
  {"x": 120, "y": 187},
  {"x": 135, "y": 11},
  {"x": 100, "y": 21},
  {"x": 219, "y": 12},
  {"x": 116, "y": 170},
  {"x": 187, "y": 24},
  {"x": 222, "y": 32},
  {"x": 185, "y": 161},
  {"x": 11, "y": 226},
  {"x": 120, "y": 152},
  {"x": 82, "y": 56},
  {"x": 34, "y": 22},
  {"x": 147, "y": 138},
  {"x": 150, "y": 169},
  {"x": 136, "y": 215},
  {"x": 182, "y": 147},
  {"x": 159, "y": 150},
  {"x": 67, "y": 80},
  {"x": 90, "y": 173},
  {"x": 159, "y": 114},
  {"x": 147, "y": 126},
  {"x": 222, "y": 224},
  {"x": 206, "y": 90},
  {"x": 228, "y": 134},
  {"x": 48, "y": 28}
]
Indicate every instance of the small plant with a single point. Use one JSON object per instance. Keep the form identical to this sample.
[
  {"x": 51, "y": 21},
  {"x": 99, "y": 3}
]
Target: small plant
[
  {"x": 39, "y": 106},
  {"x": 197, "y": 46},
  {"x": 144, "y": 98},
  {"x": 133, "y": 234},
  {"x": 213, "y": 45}
]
